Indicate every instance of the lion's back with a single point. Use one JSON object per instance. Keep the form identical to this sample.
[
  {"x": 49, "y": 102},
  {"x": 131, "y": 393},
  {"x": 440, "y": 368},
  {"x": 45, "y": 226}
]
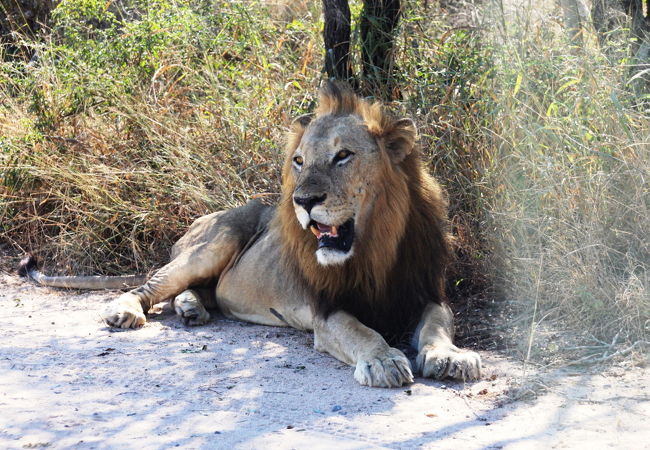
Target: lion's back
[{"x": 240, "y": 224}]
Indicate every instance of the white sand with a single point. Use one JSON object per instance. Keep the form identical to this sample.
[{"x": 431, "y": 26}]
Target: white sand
[{"x": 68, "y": 381}]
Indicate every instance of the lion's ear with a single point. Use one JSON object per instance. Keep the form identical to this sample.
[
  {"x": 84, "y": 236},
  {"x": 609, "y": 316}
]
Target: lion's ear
[
  {"x": 302, "y": 121},
  {"x": 400, "y": 138}
]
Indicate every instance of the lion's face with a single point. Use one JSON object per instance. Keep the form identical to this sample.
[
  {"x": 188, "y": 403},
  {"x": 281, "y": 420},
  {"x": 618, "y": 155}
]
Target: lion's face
[
  {"x": 334, "y": 167},
  {"x": 345, "y": 189}
]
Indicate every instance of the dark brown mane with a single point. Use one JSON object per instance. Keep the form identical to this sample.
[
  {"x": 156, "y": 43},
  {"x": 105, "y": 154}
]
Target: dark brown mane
[{"x": 398, "y": 266}]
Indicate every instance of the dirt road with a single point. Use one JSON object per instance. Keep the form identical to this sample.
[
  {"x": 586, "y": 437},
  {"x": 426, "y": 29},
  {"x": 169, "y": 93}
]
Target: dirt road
[{"x": 68, "y": 381}]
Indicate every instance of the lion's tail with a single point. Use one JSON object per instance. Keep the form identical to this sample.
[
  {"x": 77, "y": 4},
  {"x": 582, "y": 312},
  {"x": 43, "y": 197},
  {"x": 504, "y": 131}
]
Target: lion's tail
[{"x": 28, "y": 268}]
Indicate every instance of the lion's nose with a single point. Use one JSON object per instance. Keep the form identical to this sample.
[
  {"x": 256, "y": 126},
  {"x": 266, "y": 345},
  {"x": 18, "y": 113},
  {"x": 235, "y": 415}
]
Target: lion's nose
[{"x": 309, "y": 202}]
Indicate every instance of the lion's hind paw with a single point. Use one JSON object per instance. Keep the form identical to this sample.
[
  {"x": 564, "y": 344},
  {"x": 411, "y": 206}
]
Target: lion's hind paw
[
  {"x": 387, "y": 369},
  {"x": 449, "y": 362}
]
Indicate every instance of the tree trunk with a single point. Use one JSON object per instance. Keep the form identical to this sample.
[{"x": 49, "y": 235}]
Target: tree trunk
[
  {"x": 639, "y": 29},
  {"x": 22, "y": 18},
  {"x": 575, "y": 14},
  {"x": 337, "y": 40},
  {"x": 378, "y": 22}
]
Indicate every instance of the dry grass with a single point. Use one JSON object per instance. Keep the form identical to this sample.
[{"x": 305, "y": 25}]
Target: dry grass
[
  {"x": 107, "y": 180},
  {"x": 567, "y": 196},
  {"x": 126, "y": 131}
]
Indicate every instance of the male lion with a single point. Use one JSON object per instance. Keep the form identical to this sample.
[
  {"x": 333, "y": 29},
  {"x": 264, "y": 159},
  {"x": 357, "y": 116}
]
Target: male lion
[{"x": 355, "y": 251}]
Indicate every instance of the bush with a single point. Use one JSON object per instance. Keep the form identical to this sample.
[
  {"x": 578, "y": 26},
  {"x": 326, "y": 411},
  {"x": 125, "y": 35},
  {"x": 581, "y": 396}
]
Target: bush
[
  {"x": 139, "y": 119},
  {"x": 140, "y": 116}
]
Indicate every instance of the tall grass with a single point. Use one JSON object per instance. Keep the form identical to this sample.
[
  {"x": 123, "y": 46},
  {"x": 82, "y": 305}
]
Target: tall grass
[
  {"x": 140, "y": 116},
  {"x": 567, "y": 193}
]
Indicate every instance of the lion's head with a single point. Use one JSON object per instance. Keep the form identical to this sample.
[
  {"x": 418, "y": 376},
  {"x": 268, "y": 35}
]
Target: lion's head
[{"x": 354, "y": 194}]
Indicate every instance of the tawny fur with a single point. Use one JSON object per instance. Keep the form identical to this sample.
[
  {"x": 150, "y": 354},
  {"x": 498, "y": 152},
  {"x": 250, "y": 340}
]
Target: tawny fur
[{"x": 409, "y": 223}]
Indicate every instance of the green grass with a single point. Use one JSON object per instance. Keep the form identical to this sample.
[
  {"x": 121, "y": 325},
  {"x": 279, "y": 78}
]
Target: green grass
[{"x": 138, "y": 119}]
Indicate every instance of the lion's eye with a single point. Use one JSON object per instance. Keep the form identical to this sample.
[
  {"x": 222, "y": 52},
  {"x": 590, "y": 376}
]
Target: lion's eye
[
  {"x": 298, "y": 161},
  {"x": 342, "y": 156}
]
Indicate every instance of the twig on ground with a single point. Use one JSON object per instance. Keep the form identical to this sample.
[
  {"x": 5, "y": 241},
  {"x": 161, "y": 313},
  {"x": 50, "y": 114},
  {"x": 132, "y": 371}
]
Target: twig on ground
[{"x": 592, "y": 359}]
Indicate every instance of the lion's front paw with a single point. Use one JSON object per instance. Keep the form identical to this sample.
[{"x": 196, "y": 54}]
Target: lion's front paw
[
  {"x": 124, "y": 312},
  {"x": 387, "y": 369},
  {"x": 448, "y": 362},
  {"x": 189, "y": 307}
]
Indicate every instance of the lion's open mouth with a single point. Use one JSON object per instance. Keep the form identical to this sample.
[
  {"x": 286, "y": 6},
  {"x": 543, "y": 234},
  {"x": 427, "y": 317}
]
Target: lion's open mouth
[{"x": 334, "y": 237}]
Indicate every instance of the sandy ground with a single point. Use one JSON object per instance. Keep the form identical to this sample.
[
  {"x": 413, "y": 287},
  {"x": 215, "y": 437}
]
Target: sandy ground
[{"x": 68, "y": 381}]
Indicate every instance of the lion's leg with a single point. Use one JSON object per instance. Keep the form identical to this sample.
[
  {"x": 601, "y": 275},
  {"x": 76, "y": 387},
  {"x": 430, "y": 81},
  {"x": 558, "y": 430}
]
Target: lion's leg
[
  {"x": 377, "y": 364},
  {"x": 193, "y": 266},
  {"x": 437, "y": 356}
]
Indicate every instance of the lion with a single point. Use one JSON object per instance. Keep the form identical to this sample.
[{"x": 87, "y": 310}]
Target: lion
[{"x": 355, "y": 250}]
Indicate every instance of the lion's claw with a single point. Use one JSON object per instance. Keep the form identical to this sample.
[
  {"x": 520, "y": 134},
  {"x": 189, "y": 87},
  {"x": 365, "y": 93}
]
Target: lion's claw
[
  {"x": 448, "y": 362},
  {"x": 195, "y": 318},
  {"x": 388, "y": 369}
]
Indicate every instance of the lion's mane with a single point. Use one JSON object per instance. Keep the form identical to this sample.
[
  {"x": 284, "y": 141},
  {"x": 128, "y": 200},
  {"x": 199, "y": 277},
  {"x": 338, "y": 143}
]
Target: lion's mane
[{"x": 399, "y": 263}]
